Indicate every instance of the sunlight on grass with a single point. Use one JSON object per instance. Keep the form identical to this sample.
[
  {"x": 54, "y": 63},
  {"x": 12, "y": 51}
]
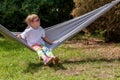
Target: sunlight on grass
[{"x": 19, "y": 63}]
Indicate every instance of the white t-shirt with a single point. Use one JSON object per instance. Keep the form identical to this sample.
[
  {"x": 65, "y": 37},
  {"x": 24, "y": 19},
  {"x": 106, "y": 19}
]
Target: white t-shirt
[{"x": 34, "y": 36}]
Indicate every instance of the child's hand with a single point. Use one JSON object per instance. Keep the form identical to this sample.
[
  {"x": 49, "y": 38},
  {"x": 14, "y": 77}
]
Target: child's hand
[
  {"x": 54, "y": 42},
  {"x": 19, "y": 36}
]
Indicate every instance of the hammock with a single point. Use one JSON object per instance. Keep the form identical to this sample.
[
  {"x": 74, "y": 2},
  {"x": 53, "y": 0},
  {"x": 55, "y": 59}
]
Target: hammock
[{"x": 63, "y": 31}]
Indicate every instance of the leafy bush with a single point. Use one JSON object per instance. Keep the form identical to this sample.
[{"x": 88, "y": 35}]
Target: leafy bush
[{"x": 109, "y": 22}]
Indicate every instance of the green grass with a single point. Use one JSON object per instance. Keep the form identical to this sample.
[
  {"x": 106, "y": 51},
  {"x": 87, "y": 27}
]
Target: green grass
[{"x": 19, "y": 63}]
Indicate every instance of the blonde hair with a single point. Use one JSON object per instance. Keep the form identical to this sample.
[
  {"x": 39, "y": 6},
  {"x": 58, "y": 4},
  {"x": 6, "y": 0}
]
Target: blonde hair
[{"x": 30, "y": 19}]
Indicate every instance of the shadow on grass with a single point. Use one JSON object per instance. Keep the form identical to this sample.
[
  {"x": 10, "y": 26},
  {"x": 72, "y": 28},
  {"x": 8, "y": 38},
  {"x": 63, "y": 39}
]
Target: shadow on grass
[
  {"x": 76, "y": 61},
  {"x": 57, "y": 67},
  {"x": 35, "y": 67}
]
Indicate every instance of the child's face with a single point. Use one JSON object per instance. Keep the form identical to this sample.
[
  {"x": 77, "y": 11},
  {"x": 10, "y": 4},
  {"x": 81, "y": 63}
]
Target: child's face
[{"x": 36, "y": 22}]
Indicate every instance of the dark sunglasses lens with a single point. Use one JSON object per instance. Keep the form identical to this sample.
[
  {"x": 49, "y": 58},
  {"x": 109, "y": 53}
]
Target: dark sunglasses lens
[{"x": 38, "y": 20}]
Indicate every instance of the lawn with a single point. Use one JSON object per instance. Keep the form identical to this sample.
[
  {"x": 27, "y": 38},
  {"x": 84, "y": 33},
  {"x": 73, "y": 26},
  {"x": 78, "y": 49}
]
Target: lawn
[{"x": 94, "y": 60}]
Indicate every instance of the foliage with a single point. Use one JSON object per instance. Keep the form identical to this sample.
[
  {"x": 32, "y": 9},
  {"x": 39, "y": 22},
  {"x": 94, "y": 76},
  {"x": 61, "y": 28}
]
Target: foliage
[
  {"x": 108, "y": 23},
  {"x": 13, "y": 12}
]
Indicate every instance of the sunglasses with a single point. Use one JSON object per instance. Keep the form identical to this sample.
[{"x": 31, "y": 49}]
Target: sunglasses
[{"x": 37, "y": 20}]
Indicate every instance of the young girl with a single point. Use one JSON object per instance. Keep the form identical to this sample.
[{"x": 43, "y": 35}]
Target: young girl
[{"x": 35, "y": 37}]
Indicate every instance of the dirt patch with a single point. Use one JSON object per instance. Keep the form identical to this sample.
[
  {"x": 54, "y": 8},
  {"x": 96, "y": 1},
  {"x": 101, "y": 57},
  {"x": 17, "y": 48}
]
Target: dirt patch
[
  {"x": 102, "y": 57},
  {"x": 105, "y": 50}
]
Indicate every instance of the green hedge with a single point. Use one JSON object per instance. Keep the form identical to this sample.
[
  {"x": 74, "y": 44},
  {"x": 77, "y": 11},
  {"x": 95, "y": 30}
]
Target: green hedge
[{"x": 13, "y": 12}]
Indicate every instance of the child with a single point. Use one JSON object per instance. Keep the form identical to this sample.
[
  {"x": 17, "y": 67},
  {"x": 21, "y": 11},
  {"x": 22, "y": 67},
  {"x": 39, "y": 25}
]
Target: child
[{"x": 35, "y": 37}]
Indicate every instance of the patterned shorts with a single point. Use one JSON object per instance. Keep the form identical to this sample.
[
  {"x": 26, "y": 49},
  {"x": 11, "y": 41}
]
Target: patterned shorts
[{"x": 43, "y": 50}]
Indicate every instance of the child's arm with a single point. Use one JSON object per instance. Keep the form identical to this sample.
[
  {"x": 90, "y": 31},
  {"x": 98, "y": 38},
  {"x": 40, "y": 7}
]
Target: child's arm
[{"x": 47, "y": 40}]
